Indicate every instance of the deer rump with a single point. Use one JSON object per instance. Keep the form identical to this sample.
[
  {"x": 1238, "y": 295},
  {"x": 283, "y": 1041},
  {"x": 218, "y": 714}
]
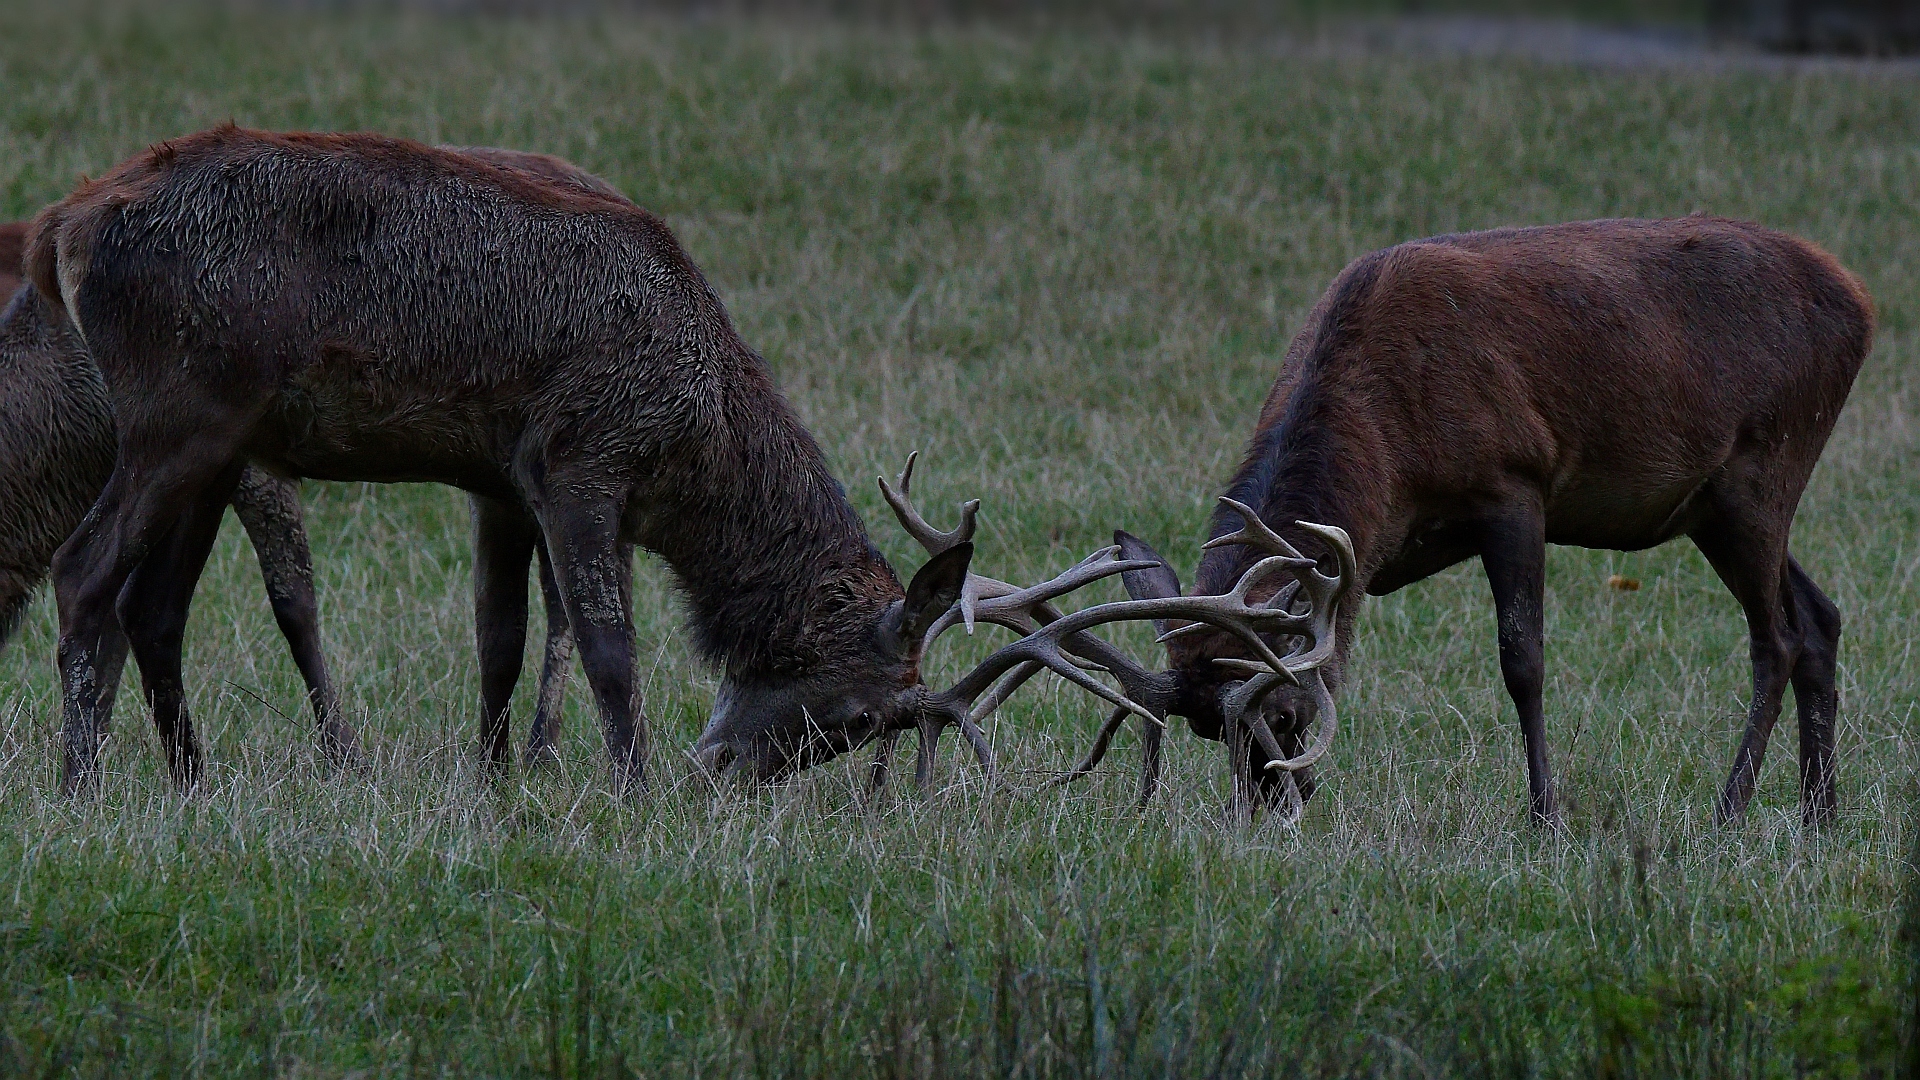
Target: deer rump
[{"x": 1606, "y": 384}]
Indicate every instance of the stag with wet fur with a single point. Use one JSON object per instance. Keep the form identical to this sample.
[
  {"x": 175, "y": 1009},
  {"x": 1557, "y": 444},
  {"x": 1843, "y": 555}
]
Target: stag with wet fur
[{"x": 355, "y": 307}]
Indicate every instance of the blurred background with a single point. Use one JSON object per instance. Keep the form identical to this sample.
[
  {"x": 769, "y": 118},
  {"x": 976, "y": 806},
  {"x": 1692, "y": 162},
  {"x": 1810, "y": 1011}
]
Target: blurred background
[{"x": 1850, "y": 27}]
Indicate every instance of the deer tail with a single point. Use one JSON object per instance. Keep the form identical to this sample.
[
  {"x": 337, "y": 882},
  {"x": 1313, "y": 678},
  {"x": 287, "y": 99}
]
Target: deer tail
[{"x": 42, "y": 260}]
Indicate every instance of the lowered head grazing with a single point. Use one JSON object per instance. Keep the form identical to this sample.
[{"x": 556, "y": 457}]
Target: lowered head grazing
[{"x": 864, "y": 681}]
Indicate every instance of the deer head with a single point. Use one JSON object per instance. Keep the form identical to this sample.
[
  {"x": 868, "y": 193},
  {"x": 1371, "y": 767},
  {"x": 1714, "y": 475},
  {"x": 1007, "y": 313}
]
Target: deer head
[{"x": 769, "y": 729}]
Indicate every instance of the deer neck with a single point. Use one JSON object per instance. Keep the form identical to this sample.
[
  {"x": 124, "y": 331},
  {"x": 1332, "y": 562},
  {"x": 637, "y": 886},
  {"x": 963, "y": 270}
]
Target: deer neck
[
  {"x": 779, "y": 574},
  {"x": 1307, "y": 474}
]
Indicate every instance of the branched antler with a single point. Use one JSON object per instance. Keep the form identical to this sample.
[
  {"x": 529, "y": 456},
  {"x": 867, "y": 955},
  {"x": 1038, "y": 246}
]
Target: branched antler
[
  {"x": 1024, "y": 610},
  {"x": 1062, "y": 643}
]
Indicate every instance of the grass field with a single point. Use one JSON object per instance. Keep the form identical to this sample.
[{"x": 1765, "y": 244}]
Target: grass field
[{"x": 1063, "y": 265}]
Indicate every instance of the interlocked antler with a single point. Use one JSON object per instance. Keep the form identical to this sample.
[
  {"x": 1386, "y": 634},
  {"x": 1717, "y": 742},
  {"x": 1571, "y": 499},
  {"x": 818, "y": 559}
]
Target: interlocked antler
[
  {"x": 1323, "y": 595},
  {"x": 1061, "y": 642},
  {"x": 1022, "y": 610}
]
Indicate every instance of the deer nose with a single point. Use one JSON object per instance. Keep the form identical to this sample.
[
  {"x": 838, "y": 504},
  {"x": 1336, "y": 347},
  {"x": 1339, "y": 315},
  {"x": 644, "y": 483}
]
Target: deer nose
[{"x": 714, "y": 757}]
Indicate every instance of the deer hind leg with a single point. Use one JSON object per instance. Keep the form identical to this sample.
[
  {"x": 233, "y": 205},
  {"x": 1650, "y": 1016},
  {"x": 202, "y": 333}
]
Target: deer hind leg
[
  {"x": 1815, "y": 692},
  {"x": 152, "y": 609},
  {"x": 589, "y": 564},
  {"x": 139, "y": 503},
  {"x": 504, "y": 538},
  {"x": 1751, "y": 561},
  {"x": 1513, "y": 550},
  {"x": 269, "y": 508}
]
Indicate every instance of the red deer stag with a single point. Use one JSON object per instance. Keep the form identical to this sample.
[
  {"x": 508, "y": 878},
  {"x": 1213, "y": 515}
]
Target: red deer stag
[
  {"x": 356, "y": 307},
  {"x": 1606, "y": 384}
]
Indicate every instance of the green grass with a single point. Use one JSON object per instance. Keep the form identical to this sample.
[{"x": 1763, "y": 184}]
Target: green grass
[{"x": 1064, "y": 265}]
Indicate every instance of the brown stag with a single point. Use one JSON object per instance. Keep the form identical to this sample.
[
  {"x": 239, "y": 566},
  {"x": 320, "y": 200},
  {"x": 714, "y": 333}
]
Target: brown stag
[
  {"x": 361, "y": 308},
  {"x": 1605, "y": 384}
]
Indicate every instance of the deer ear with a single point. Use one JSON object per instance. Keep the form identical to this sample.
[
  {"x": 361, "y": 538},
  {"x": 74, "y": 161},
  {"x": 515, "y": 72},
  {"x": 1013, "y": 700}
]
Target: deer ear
[
  {"x": 935, "y": 588},
  {"x": 1159, "y": 583}
]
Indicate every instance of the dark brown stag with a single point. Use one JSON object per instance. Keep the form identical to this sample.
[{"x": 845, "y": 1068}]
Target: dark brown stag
[
  {"x": 361, "y": 308},
  {"x": 1607, "y": 384}
]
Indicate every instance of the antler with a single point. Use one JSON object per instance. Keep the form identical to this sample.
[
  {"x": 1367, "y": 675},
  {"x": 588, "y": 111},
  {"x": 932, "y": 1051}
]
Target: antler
[
  {"x": 1025, "y": 610},
  {"x": 1062, "y": 644},
  {"x": 1324, "y": 595}
]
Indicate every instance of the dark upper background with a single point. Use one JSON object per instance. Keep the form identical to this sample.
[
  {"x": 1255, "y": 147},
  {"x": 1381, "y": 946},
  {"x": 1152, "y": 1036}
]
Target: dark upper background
[{"x": 1847, "y": 27}]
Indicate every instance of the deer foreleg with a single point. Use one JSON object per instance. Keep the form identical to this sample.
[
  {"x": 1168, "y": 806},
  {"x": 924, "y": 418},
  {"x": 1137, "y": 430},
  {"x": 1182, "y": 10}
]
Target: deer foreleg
[
  {"x": 588, "y": 564},
  {"x": 1513, "y": 549},
  {"x": 1815, "y": 692}
]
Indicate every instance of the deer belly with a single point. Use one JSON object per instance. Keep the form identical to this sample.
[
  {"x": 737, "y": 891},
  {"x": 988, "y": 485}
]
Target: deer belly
[
  {"x": 358, "y": 433},
  {"x": 1622, "y": 517}
]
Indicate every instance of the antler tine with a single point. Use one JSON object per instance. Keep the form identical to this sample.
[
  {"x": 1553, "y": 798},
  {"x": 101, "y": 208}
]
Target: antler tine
[
  {"x": 1017, "y": 609},
  {"x": 1242, "y": 698},
  {"x": 1001, "y": 690},
  {"x": 916, "y": 524},
  {"x": 1101, "y": 564},
  {"x": 1047, "y": 654},
  {"x": 1342, "y": 545},
  {"x": 1230, "y": 611},
  {"x": 1252, "y": 531}
]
